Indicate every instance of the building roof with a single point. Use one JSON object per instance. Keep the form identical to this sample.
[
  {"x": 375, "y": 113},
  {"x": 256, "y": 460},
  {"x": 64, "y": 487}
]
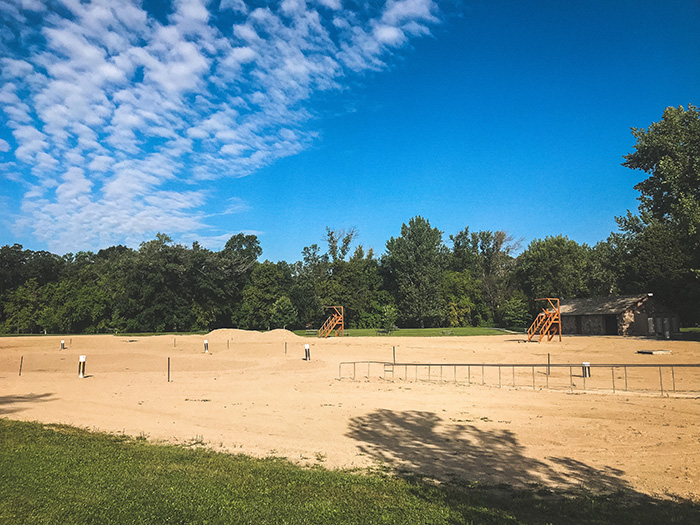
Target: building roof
[{"x": 614, "y": 304}]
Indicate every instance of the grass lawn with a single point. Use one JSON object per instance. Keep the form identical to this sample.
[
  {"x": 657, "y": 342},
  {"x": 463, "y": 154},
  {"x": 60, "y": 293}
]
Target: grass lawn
[
  {"x": 59, "y": 474},
  {"x": 421, "y": 332}
]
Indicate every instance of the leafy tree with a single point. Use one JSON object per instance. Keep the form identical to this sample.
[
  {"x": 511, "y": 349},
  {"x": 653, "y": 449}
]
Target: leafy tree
[
  {"x": 415, "y": 262},
  {"x": 661, "y": 246},
  {"x": 23, "y": 308},
  {"x": 389, "y": 317},
  {"x": 463, "y": 300},
  {"x": 554, "y": 267},
  {"x": 513, "y": 313},
  {"x": 283, "y": 313},
  {"x": 268, "y": 282},
  {"x": 669, "y": 151}
]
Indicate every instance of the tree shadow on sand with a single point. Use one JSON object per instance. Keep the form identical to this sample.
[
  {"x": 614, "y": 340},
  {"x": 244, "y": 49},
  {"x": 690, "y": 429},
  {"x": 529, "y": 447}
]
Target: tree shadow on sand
[
  {"x": 488, "y": 469},
  {"x": 12, "y": 404}
]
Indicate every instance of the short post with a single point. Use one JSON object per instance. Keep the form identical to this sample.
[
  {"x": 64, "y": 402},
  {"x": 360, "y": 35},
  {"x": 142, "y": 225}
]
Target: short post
[
  {"x": 168, "y": 370},
  {"x": 586, "y": 370},
  {"x": 612, "y": 372},
  {"x": 571, "y": 379},
  {"x": 394, "y": 352},
  {"x": 673, "y": 377},
  {"x": 548, "y": 364},
  {"x": 206, "y": 346},
  {"x": 71, "y": 341},
  {"x": 499, "y": 376},
  {"x": 285, "y": 348},
  {"x": 21, "y": 361},
  {"x": 307, "y": 355},
  {"x": 81, "y": 367},
  {"x": 661, "y": 382},
  {"x": 63, "y": 344}
]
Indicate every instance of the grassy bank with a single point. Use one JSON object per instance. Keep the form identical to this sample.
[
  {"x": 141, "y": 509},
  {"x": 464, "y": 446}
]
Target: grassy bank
[
  {"x": 58, "y": 474},
  {"x": 421, "y": 332}
]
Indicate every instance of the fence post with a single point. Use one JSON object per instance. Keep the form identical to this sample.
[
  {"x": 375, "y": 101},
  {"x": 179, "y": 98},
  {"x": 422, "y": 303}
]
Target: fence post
[
  {"x": 673, "y": 377},
  {"x": 661, "y": 382},
  {"x": 571, "y": 379},
  {"x": 612, "y": 371}
]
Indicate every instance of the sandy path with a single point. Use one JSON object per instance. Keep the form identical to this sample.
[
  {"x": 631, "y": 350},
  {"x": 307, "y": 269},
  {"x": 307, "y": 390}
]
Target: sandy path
[{"x": 246, "y": 395}]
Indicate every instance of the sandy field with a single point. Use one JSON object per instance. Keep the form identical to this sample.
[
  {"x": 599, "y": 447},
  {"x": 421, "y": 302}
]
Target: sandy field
[{"x": 246, "y": 395}]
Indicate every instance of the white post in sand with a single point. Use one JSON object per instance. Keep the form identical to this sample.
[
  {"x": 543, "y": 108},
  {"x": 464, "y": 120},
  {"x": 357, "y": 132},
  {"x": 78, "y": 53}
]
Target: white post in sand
[
  {"x": 307, "y": 353},
  {"x": 81, "y": 367},
  {"x": 206, "y": 346},
  {"x": 63, "y": 344}
]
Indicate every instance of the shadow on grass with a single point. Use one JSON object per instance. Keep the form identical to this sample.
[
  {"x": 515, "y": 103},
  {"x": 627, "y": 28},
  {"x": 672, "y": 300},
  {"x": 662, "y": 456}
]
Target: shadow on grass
[
  {"x": 488, "y": 469},
  {"x": 13, "y": 404}
]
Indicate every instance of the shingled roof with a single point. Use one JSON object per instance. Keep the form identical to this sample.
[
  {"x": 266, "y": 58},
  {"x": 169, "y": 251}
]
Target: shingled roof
[{"x": 614, "y": 304}]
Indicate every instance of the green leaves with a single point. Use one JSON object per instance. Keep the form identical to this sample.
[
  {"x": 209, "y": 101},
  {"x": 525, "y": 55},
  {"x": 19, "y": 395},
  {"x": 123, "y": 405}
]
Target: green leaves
[{"x": 416, "y": 261}]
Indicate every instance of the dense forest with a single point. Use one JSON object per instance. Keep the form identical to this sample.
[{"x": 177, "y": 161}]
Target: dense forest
[{"x": 419, "y": 281}]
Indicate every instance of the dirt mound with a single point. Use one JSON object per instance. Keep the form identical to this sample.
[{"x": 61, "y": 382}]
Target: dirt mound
[{"x": 236, "y": 335}]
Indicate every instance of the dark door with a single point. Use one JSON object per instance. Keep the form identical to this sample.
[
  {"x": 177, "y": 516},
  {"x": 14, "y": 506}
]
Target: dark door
[{"x": 610, "y": 325}]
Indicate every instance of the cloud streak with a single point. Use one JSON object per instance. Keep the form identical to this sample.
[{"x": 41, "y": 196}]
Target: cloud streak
[{"x": 122, "y": 119}]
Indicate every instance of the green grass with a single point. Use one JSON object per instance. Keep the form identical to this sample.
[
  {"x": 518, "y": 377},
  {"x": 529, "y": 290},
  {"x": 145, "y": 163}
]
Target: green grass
[
  {"x": 60, "y": 474},
  {"x": 421, "y": 332}
]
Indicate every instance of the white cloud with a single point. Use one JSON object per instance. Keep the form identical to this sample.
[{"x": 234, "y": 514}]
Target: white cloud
[{"x": 114, "y": 112}]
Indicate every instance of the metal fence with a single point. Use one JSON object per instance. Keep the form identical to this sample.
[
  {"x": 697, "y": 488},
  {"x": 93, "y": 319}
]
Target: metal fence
[{"x": 666, "y": 379}]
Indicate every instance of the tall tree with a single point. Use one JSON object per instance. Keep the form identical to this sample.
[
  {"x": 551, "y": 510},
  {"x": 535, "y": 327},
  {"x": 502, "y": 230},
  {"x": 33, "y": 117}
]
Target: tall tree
[
  {"x": 669, "y": 151},
  {"x": 668, "y": 226},
  {"x": 554, "y": 267},
  {"x": 415, "y": 262}
]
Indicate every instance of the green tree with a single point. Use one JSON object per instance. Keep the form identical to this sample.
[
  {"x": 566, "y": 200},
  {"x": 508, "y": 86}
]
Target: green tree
[
  {"x": 415, "y": 262},
  {"x": 283, "y": 313},
  {"x": 513, "y": 313},
  {"x": 669, "y": 151},
  {"x": 389, "y": 317},
  {"x": 554, "y": 267},
  {"x": 268, "y": 282},
  {"x": 661, "y": 246},
  {"x": 464, "y": 305},
  {"x": 23, "y": 309}
]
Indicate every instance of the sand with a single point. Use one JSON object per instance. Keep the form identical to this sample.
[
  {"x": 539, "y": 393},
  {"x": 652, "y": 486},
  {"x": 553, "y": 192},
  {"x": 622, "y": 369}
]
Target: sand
[{"x": 248, "y": 396}]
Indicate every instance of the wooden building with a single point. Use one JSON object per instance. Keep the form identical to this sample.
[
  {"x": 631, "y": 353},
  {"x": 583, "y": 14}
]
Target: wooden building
[{"x": 618, "y": 315}]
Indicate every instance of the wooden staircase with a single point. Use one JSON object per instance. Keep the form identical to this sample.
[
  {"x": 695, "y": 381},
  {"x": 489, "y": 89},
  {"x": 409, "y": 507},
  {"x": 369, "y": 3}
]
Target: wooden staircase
[
  {"x": 547, "y": 323},
  {"x": 336, "y": 322}
]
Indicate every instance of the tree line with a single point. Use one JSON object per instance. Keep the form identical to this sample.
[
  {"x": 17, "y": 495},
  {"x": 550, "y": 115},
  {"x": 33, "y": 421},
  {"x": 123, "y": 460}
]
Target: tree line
[{"x": 474, "y": 279}]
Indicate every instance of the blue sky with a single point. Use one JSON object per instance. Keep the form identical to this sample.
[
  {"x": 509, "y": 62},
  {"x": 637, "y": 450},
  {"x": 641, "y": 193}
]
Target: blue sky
[{"x": 203, "y": 119}]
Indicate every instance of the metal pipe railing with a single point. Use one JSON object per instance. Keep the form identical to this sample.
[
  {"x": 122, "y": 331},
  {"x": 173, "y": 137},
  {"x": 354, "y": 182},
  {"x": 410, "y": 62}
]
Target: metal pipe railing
[{"x": 391, "y": 367}]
